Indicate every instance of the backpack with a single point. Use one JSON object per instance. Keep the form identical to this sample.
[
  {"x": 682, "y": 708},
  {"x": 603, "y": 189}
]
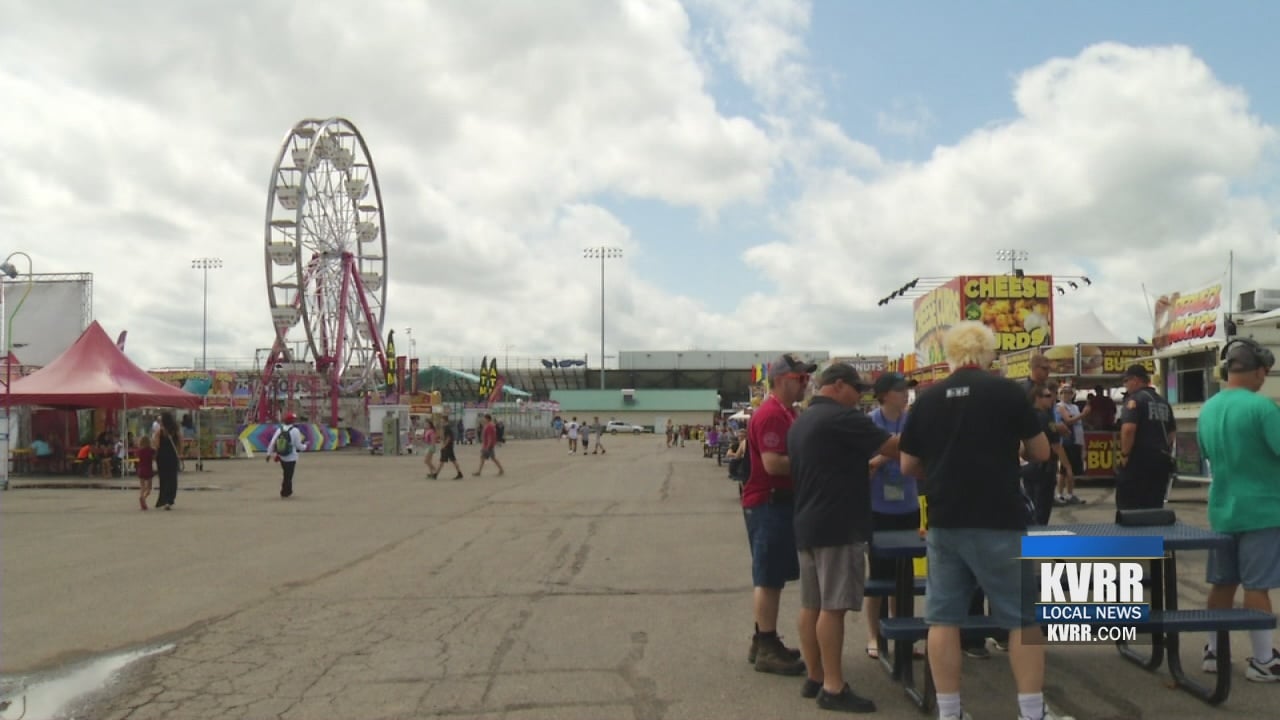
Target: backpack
[{"x": 284, "y": 441}]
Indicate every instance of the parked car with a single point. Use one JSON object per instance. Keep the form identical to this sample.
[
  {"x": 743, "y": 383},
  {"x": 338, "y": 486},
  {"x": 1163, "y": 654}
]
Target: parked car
[{"x": 616, "y": 426}]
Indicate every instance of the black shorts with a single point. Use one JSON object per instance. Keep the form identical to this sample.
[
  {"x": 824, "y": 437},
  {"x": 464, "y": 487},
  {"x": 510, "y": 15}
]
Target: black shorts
[
  {"x": 1075, "y": 456},
  {"x": 881, "y": 568},
  {"x": 446, "y": 455}
]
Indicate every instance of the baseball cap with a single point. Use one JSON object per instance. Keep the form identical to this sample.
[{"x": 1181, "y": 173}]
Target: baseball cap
[
  {"x": 1138, "y": 371},
  {"x": 787, "y": 363},
  {"x": 842, "y": 371},
  {"x": 890, "y": 381}
]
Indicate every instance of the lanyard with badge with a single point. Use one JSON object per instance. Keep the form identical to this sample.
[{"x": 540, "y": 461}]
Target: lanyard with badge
[{"x": 895, "y": 489}]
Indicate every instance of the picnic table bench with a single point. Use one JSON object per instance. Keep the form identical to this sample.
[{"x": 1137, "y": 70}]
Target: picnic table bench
[{"x": 1165, "y": 624}]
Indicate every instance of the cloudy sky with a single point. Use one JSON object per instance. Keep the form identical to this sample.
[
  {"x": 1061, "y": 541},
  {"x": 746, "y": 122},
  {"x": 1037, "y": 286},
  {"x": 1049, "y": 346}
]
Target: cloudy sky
[{"x": 770, "y": 168}]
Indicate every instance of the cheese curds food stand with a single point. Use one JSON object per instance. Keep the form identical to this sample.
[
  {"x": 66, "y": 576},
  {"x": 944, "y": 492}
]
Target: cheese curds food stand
[{"x": 1020, "y": 310}]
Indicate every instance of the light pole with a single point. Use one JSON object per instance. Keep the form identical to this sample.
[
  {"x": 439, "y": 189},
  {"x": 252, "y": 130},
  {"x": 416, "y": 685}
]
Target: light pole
[
  {"x": 204, "y": 265},
  {"x": 8, "y": 271},
  {"x": 1013, "y": 257},
  {"x": 602, "y": 253}
]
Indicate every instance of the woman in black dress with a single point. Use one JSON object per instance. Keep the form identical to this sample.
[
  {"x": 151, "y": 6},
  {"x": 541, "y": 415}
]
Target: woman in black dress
[{"x": 166, "y": 441}]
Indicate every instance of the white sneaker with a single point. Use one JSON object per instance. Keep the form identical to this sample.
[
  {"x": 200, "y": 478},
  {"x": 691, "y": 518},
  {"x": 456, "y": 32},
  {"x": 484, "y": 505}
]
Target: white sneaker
[
  {"x": 1209, "y": 663},
  {"x": 1268, "y": 671}
]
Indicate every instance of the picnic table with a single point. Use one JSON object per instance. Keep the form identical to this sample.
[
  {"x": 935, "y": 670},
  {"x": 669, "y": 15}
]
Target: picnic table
[{"x": 1165, "y": 625}]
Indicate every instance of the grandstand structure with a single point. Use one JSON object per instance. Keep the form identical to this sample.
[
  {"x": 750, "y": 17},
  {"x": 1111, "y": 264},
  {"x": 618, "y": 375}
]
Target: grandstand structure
[{"x": 727, "y": 372}]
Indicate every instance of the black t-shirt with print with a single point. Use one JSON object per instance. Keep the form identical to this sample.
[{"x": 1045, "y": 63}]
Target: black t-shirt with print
[
  {"x": 966, "y": 431},
  {"x": 1050, "y": 427},
  {"x": 1154, "y": 419},
  {"x": 829, "y": 446}
]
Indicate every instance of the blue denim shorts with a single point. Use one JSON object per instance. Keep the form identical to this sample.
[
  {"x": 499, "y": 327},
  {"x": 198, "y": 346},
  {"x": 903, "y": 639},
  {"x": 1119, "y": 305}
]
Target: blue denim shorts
[
  {"x": 961, "y": 560},
  {"x": 771, "y": 533},
  {"x": 1253, "y": 560}
]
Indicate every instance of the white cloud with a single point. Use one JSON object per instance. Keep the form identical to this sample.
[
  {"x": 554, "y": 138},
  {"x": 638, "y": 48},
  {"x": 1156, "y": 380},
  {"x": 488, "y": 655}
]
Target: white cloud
[
  {"x": 139, "y": 138},
  {"x": 907, "y": 117},
  {"x": 762, "y": 40},
  {"x": 1121, "y": 158}
]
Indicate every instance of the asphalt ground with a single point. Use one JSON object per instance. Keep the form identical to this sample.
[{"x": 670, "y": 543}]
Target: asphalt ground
[{"x": 600, "y": 587}]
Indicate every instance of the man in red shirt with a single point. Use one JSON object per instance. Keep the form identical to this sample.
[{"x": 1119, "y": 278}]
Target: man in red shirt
[
  {"x": 488, "y": 441},
  {"x": 767, "y": 507}
]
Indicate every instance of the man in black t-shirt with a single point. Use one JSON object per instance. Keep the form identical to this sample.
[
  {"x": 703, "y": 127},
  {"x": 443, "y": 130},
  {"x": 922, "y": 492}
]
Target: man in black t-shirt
[
  {"x": 963, "y": 439},
  {"x": 1146, "y": 444},
  {"x": 831, "y": 445}
]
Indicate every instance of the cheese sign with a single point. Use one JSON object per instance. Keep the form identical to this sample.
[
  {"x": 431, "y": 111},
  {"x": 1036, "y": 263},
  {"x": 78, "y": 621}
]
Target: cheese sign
[{"x": 1019, "y": 310}]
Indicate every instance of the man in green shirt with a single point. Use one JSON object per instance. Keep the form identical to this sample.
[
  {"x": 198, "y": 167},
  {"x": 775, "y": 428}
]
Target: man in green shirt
[{"x": 1239, "y": 434}]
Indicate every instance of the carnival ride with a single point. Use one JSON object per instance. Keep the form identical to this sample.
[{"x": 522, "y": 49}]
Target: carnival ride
[{"x": 326, "y": 267}]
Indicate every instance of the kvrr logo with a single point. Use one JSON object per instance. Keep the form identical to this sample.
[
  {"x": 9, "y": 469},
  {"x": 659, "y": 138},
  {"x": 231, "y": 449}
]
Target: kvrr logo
[
  {"x": 1090, "y": 589},
  {"x": 1091, "y": 582}
]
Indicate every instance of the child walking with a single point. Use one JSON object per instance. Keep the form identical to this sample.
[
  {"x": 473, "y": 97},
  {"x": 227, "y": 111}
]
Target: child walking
[
  {"x": 429, "y": 450},
  {"x": 146, "y": 469}
]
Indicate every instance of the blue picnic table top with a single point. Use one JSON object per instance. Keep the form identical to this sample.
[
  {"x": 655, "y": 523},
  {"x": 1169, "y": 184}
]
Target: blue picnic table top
[{"x": 1178, "y": 536}]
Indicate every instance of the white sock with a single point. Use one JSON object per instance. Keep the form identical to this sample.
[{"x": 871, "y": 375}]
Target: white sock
[
  {"x": 1213, "y": 643},
  {"x": 949, "y": 705},
  {"x": 1031, "y": 705},
  {"x": 1261, "y": 641}
]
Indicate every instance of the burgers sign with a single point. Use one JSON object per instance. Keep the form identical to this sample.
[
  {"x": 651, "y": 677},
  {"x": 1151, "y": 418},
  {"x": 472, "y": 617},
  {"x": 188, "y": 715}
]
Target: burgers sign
[
  {"x": 1103, "y": 360},
  {"x": 1079, "y": 360}
]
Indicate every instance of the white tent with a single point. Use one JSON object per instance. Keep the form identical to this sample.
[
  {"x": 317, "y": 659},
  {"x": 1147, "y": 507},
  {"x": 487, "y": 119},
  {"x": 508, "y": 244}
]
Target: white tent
[{"x": 1086, "y": 328}]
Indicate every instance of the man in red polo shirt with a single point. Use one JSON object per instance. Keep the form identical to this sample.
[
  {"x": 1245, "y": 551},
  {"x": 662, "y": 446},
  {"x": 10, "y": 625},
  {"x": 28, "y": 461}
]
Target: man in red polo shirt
[{"x": 767, "y": 507}]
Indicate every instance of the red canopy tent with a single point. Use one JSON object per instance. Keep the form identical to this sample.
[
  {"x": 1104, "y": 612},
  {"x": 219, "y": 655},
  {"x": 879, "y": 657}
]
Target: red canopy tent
[{"x": 94, "y": 373}]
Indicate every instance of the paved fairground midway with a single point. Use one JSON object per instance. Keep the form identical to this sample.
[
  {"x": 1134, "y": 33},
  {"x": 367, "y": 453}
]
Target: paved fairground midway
[{"x": 595, "y": 587}]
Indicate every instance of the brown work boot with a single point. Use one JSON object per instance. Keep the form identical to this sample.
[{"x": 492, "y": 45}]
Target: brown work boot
[
  {"x": 774, "y": 657},
  {"x": 755, "y": 644}
]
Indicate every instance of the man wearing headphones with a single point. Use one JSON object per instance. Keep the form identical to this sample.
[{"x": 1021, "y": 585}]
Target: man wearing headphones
[
  {"x": 1146, "y": 444},
  {"x": 1239, "y": 433}
]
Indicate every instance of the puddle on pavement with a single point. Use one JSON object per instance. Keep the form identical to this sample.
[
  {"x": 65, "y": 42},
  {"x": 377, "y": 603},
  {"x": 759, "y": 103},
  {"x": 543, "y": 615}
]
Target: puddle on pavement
[{"x": 54, "y": 695}]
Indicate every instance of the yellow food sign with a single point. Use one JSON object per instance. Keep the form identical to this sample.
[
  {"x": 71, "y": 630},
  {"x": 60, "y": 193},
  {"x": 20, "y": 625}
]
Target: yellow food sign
[
  {"x": 1018, "y": 309},
  {"x": 934, "y": 313}
]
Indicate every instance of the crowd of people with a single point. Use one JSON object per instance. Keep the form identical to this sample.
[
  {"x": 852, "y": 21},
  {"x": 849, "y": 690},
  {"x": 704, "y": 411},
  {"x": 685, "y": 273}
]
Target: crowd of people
[{"x": 992, "y": 457}]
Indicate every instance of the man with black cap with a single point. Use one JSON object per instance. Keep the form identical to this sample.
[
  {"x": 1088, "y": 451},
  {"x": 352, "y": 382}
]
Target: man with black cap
[
  {"x": 831, "y": 446},
  {"x": 1146, "y": 444},
  {"x": 767, "y": 507}
]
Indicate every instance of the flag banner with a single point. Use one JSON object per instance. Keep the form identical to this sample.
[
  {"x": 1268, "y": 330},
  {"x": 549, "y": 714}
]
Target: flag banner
[{"x": 389, "y": 353}]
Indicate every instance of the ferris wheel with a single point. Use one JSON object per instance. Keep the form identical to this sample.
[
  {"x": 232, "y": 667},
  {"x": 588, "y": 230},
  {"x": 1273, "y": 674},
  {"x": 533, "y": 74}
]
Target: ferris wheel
[{"x": 326, "y": 256}]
